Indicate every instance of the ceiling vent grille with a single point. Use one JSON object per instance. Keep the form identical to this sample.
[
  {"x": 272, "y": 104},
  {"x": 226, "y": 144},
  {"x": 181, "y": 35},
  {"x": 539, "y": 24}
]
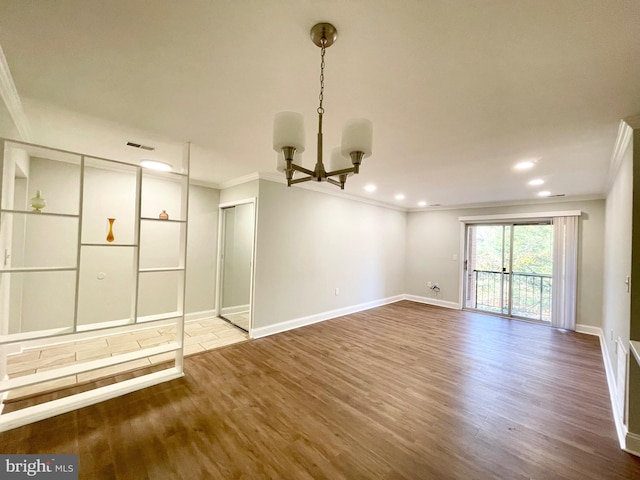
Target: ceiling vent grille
[{"x": 137, "y": 145}]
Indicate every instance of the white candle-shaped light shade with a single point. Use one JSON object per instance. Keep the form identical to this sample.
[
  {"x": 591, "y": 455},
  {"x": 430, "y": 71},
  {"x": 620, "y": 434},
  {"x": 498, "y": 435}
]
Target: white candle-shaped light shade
[
  {"x": 281, "y": 165},
  {"x": 288, "y": 131},
  {"x": 357, "y": 136},
  {"x": 339, "y": 161}
]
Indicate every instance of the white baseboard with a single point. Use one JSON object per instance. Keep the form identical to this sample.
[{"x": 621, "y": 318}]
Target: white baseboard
[
  {"x": 320, "y": 317},
  {"x": 235, "y": 309},
  {"x": 589, "y": 330},
  {"x": 621, "y": 428},
  {"x": 632, "y": 444},
  {"x": 193, "y": 316},
  {"x": 433, "y": 301}
]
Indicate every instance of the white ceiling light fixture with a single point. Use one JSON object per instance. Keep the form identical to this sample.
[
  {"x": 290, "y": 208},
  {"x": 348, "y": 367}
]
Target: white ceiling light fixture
[
  {"x": 400, "y": 196},
  {"x": 536, "y": 182},
  {"x": 544, "y": 193},
  {"x": 370, "y": 188},
  {"x": 422, "y": 204},
  {"x": 525, "y": 165},
  {"x": 288, "y": 132},
  {"x": 156, "y": 165}
]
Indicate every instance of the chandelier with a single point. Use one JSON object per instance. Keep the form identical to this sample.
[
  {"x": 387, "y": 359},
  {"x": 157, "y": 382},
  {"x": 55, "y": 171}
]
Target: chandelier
[{"x": 288, "y": 133}]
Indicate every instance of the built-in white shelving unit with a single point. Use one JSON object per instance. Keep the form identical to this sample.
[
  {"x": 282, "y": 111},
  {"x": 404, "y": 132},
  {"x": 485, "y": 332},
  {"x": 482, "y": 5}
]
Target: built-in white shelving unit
[{"x": 61, "y": 281}]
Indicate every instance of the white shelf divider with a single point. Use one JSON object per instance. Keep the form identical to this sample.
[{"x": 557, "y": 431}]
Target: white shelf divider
[{"x": 76, "y": 332}]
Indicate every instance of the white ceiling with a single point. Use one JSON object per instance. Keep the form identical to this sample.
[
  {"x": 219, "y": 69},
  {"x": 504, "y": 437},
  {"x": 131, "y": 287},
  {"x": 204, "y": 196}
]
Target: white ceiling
[{"x": 458, "y": 91}]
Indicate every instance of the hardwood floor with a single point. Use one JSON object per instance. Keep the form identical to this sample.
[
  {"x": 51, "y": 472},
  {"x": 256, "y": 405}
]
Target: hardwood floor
[{"x": 404, "y": 391}]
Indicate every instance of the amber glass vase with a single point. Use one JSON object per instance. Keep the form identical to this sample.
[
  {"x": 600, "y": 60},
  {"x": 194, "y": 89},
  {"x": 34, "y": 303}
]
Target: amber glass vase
[{"x": 110, "y": 237}]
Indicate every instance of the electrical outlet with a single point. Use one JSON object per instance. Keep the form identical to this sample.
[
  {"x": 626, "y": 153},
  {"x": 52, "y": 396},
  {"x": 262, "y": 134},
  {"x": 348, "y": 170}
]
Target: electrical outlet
[
  {"x": 428, "y": 284},
  {"x": 337, "y": 291},
  {"x": 611, "y": 335}
]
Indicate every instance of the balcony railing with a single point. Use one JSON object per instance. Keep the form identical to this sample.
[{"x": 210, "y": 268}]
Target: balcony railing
[{"x": 531, "y": 296}]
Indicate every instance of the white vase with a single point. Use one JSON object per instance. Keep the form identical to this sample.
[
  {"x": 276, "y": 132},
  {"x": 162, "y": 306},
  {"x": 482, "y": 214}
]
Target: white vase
[{"x": 37, "y": 202}]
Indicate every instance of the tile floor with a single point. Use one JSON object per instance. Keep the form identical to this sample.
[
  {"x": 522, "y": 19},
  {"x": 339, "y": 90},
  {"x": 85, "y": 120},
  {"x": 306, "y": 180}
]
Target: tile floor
[{"x": 200, "y": 335}]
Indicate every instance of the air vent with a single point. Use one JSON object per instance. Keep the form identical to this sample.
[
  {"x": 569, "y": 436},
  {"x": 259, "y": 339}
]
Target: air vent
[
  {"x": 137, "y": 145},
  {"x": 558, "y": 195},
  {"x": 435, "y": 205}
]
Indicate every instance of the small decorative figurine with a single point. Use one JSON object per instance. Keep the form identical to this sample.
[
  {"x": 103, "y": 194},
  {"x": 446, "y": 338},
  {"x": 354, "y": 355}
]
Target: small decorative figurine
[
  {"x": 163, "y": 215},
  {"x": 37, "y": 202}
]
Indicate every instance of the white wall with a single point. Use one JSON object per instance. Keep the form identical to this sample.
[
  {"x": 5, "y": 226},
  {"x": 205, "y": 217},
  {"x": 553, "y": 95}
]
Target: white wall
[
  {"x": 616, "y": 311},
  {"x": 239, "y": 192},
  {"x": 434, "y": 237},
  {"x": 107, "y": 273},
  {"x": 310, "y": 243},
  {"x": 48, "y": 298},
  {"x": 202, "y": 248},
  {"x": 7, "y": 127}
]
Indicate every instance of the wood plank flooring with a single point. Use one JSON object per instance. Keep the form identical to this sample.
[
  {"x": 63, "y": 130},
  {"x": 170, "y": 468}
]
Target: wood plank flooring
[{"x": 404, "y": 391}]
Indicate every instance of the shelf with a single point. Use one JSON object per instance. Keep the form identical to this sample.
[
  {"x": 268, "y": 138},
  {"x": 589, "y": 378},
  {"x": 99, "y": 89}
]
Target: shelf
[
  {"x": 34, "y": 335},
  {"x": 161, "y": 269},
  {"x": 40, "y": 214},
  {"x": 82, "y": 367},
  {"x": 159, "y": 173},
  {"x": 108, "y": 245},
  {"x": 170, "y": 220},
  {"x": 88, "y": 327},
  {"x": 51, "y": 408},
  {"x": 159, "y": 316},
  {"x": 76, "y": 184},
  {"x": 37, "y": 269}
]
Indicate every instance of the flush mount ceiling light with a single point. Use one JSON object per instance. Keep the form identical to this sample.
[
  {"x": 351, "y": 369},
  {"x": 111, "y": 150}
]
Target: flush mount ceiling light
[
  {"x": 544, "y": 193},
  {"x": 400, "y": 196},
  {"x": 526, "y": 165},
  {"x": 156, "y": 165},
  {"x": 536, "y": 181},
  {"x": 370, "y": 188},
  {"x": 288, "y": 132},
  {"x": 422, "y": 204}
]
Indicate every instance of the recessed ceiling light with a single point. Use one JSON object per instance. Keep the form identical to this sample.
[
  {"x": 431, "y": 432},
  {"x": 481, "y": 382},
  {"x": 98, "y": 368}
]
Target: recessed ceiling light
[
  {"x": 156, "y": 165},
  {"x": 526, "y": 165},
  {"x": 400, "y": 196},
  {"x": 544, "y": 193},
  {"x": 370, "y": 188},
  {"x": 422, "y": 204},
  {"x": 536, "y": 181}
]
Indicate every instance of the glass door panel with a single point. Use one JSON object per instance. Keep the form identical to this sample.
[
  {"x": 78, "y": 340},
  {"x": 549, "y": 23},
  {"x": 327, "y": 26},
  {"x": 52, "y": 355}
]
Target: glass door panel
[
  {"x": 508, "y": 269},
  {"x": 531, "y": 272}
]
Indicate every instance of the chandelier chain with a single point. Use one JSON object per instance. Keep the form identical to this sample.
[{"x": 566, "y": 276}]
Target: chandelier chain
[{"x": 321, "y": 96}]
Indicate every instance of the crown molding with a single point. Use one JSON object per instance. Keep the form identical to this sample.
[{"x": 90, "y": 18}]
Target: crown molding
[
  {"x": 9, "y": 94},
  {"x": 318, "y": 187},
  {"x": 202, "y": 183},
  {"x": 513, "y": 203},
  {"x": 623, "y": 139},
  {"x": 239, "y": 181}
]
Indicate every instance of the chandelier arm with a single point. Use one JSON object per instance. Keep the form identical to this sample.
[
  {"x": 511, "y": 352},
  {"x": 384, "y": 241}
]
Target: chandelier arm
[
  {"x": 298, "y": 168},
  {"x": 301, "y": 180},
  {"x": 343, "y": 171},
  {"x": 336, "y": 183}
]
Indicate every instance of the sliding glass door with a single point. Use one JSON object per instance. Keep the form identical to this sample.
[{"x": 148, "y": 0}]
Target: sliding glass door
[{"x": 508, "y": 269}]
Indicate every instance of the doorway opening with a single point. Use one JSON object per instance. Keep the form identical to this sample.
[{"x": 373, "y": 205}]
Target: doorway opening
[{"x": 508, "y": 269}]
